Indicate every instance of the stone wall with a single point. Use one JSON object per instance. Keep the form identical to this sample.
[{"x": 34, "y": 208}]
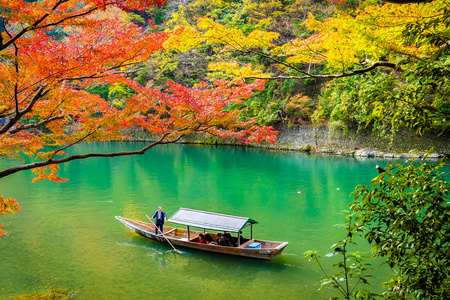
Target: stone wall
[{"x": 363, "y": 143}]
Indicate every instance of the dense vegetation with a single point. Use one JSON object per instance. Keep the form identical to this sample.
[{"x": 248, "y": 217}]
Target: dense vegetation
[{"x": 351, "y": 63}]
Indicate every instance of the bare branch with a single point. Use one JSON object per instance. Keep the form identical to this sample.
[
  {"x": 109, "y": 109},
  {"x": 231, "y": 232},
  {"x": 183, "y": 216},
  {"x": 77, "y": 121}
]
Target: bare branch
[
  {"x": 348, "y": 74},
  {"x": 74, "y": 143},
  {"x": 81, "y": 156},
  {"x": 68, "y": 18},
  {"x": 35, "y": 125}
]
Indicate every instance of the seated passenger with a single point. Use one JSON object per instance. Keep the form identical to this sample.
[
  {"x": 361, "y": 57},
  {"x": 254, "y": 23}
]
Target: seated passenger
[
  {"x": 220, "y": 240},
  {"x": 202, "y": 239},
  {"x": 208, "y": 238},
  {"x": 228, "y": 239}
]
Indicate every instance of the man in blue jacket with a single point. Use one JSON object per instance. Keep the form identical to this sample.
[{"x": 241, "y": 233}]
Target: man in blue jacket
[{"x": 160, "y": 216}]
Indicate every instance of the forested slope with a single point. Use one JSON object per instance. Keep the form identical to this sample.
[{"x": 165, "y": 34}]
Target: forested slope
[{"x": 345, "y": 63}]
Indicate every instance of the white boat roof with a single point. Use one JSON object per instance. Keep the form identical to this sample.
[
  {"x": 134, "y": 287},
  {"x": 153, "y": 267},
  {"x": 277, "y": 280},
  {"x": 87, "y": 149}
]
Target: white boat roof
[{"x": 209, "y": 220}]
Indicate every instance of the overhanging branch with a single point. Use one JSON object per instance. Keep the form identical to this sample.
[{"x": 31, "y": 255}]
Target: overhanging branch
[
  {"x": 78, "y": 157},
  {"x": 333, "y": 76},
  {"x": 35, "y": 125}
]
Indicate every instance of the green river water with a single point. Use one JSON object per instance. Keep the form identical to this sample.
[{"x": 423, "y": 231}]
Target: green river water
[{"x": 66, "y": 232}]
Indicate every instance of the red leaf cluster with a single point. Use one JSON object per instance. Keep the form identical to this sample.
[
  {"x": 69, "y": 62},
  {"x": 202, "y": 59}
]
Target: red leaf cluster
[{"x": 43, "y": 80}]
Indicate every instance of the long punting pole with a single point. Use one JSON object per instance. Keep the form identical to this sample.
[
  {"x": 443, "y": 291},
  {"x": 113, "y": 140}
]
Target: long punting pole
[{"x": 163, "y": 234}]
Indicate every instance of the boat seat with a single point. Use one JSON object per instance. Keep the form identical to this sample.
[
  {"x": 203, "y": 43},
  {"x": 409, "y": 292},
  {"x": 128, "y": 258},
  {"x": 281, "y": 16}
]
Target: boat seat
[
  {"x": 170, "y": 231},
  {"x": 244, "y": 245}
]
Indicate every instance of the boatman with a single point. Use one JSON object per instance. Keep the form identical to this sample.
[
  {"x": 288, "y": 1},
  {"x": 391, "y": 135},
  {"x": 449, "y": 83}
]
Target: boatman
[{"x": 160, "y": 216}]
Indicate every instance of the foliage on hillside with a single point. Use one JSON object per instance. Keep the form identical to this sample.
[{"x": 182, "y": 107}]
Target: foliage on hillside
[
  {"x": 391, "y": 55},
  {"x": 189, "y": 61}
]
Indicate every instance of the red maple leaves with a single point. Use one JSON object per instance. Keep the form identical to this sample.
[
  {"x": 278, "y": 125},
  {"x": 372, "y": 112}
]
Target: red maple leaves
[{"x": 43, "y": 80}]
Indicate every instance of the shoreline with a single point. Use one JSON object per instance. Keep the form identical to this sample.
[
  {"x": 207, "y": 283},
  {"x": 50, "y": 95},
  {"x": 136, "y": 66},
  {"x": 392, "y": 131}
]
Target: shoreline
[{"x": 321, "y": 140}]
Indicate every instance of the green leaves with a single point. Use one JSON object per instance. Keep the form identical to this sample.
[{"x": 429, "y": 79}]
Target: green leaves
[
  {"x": 351, "y": 269},
  {"x": 405, "y": 216}
]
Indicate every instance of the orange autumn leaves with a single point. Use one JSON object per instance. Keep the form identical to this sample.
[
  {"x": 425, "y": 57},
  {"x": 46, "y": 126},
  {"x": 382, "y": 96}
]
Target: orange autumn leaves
[
  {"x": 7, "y": 205},
  {"x": 44, "y": 104},
  {"x": 43, "y": 101}
]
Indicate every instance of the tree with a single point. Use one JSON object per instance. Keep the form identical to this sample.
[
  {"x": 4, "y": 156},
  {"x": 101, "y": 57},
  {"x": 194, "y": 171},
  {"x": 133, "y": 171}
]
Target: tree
[
  {"x": 399, "y": 52},
  {"x": 44, "y": 81},
  {"x": 405, "y": 215}
]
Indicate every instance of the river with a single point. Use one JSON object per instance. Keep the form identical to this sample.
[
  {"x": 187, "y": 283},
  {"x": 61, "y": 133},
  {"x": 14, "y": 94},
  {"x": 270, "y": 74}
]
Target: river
[{"x": 66, "y": 234}]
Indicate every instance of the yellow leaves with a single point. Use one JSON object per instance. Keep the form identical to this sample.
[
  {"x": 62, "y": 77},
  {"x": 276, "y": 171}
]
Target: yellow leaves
[
  {"x": 344, "y": 40},
  {"x": 234, "y": 38},
  {"x": 311, "y": 23},
  {"x": 209, "y": 32},
  {"x": 233, "y": 68},
  {"x": 183, "y": 39},
  {"x": 340, "y": 42},
  {"x": 265, "y": 14},
  {"x": 302, "y": 50}
]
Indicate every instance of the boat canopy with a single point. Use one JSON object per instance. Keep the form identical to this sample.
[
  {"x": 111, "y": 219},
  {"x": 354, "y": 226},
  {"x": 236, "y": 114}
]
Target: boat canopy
[{"x": 210, "y": 220}]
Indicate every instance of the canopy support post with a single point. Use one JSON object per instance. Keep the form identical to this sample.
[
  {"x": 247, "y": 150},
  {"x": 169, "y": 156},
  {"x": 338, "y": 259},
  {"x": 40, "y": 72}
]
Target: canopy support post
[
  {"x": 189, "y": 234},
  {"x": 251, "y": 232},
  {"x": 239, "y": 238}
]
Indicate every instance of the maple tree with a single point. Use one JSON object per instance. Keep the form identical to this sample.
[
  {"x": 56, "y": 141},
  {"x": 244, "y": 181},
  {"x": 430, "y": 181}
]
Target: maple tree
[{"x": 45, "y": 107}]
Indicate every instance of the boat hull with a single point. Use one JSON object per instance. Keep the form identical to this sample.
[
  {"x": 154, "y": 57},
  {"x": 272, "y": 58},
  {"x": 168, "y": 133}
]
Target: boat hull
[{"x": 179, "y": 237}]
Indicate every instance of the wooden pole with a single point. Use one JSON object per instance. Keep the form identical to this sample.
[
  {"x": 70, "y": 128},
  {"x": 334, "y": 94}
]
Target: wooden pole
[{"x": 163, "y": 235}]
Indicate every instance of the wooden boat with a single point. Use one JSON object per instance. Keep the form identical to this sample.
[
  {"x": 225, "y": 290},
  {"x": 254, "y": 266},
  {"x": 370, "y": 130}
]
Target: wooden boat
[{"x": 208, "y": 221}]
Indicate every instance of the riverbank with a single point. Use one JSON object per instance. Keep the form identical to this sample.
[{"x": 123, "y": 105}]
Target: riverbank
[
  {"x": 365, "y": 143},
  {"x": 320, "y": 139}
]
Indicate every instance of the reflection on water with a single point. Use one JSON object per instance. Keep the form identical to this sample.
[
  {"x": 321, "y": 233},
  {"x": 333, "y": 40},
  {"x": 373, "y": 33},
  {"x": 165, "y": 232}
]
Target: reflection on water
[{"x": 68, "y": 231}]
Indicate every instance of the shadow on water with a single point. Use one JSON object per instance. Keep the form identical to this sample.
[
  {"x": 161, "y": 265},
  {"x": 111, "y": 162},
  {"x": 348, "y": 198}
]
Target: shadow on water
[{"x": 165, "y": 255}]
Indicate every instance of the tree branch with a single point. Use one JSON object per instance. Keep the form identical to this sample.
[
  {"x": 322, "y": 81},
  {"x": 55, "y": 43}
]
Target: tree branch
[
  {"x": 68, "y": 18},
  {"x": 80, "y": 156},
  {"x": 35, "y": 125},
  {"x": 19, "y": 114},
  {"x": 348, "y": 74},
  {"x": 35, "y": 26}
]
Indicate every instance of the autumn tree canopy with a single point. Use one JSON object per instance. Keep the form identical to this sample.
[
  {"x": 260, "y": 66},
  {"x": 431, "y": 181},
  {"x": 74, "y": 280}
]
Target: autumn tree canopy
[
  {"x": 45, "y": 107},
  {"x": 398, "y": 51}
]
